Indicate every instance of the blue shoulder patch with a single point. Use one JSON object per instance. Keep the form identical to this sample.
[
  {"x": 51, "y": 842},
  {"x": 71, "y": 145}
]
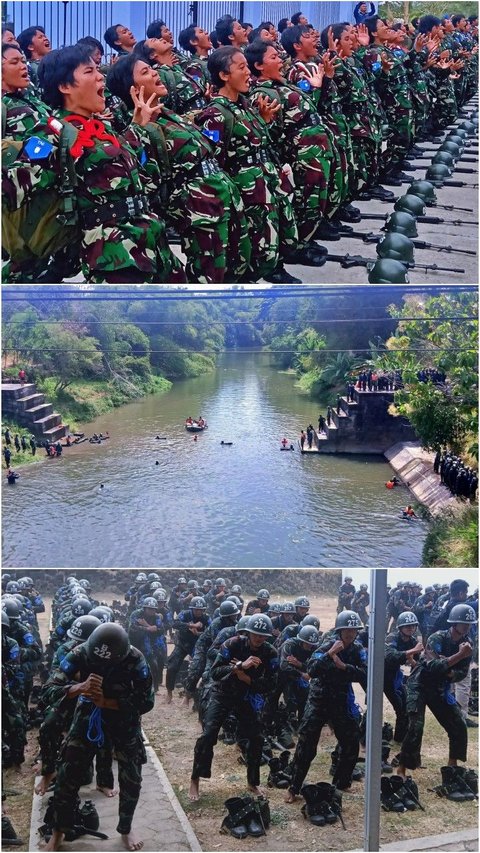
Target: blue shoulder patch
[
  {"x": 363, "y": 655},
  {"x": 318, "y": 656},
  {"x": 143, "y": 157},
  {"x": 29, "y": 639},
  {"x": 213, "y": 135},
  {"x": 14, "y": 653},
  {"x": 142, "y": 671},
  {"x": 67, "y": 667},
  {"x": 376, "y": 66},
  {"x": 304, "y": 85},
  {"x": 37, "y": 149},
  {"x": 224, "y": 652}
]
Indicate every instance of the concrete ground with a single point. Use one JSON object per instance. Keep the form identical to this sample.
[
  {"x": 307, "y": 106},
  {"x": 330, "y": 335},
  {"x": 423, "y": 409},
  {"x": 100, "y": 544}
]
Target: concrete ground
[
  {"x": 159, "y": 818},
  {"x": 451, "y": 841},
  {"x": 464, "y": 235}
]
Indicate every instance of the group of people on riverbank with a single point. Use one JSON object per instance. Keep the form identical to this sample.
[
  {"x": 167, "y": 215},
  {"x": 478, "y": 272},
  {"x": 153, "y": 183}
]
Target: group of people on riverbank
[
  {"x": 270, "y": 678},
  {"x": 461, "y": 479},
  {"x": 312, "y": 120}
]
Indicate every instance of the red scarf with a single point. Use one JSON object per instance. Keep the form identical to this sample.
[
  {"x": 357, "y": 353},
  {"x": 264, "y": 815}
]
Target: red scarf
[{"x": 92, "y": 128}]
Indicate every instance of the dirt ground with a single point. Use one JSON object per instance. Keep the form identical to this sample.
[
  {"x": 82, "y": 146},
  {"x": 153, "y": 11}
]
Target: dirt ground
[{"x": 172, "y": 731}]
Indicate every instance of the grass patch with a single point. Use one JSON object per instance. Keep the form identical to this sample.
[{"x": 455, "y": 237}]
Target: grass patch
[
  {"x": 22, "y": 457},
  {"x": 452, "y": 540}
]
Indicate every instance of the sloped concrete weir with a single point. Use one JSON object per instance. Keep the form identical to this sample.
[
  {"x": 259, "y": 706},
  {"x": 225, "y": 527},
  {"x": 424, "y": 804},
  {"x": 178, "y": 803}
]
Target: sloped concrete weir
[{"x": 415, "y": 467}]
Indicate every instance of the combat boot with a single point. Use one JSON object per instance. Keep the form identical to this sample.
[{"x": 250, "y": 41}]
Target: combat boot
[
  {"x": 234, "y": 822},
  {"x": 9, "y": 836},
  {"x": 463, "y": 781},
  {"x": 452, "y": 787},
  {"x": 254, "y": 818},
  {"x": 312, "y": 808},
  {"x": 386, "y": 767},
  {"x": 387, "y": 732},
  {"x": 409, "y": 794},
  {"x": 389, "y": 796},
  {"x": 331, "y": 801}
]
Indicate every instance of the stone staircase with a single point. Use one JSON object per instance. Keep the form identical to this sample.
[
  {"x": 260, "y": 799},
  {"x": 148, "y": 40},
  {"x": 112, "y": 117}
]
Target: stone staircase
[
  {"x": 363, "y": 425},
  {"x": 28, "y": 407}
]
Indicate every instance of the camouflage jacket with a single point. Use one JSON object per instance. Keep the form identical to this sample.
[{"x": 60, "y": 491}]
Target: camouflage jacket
[
  {"x": 22, "y": 111},
  {"x": 393, "y": 87},
  {"x": 196, "y": 67},
  {"x": 185, "y": 94}
]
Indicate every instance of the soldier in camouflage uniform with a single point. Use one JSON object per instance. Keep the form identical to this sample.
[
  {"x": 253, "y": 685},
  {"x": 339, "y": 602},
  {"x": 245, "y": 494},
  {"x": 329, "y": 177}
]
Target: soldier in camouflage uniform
[
  {"x": 445, "y": 661},
  {"x": 196, "y": 42},
  {"x": 298, "y": 134},
  {"x": 243, "y": 148},
  {"x": 14, "y": 737},
  {"x": 202, "y": 202},
  {"x": 35, "y": 45},
  {"x": 113, "y": 685},
  {"x": 186, "y": 94},
  {"x": 391, "y": 81},
  {"x": 121, "y": 238}
]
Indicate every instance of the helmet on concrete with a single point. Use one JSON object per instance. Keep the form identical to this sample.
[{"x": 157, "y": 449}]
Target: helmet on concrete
[
  {"x": 424, "y": 190},
  {"x": 437, "y": 173},
  {"x": 259, "y": 624},
  {"x": 309, "y": 634},
  {"x": 311, "y": 620},
  {"x": 150, "y": 601},
  {"x": 81, "y": 606},
  {"x": 228, "y": 608},
  {"x": 396, "y": 247},
  {"x": 451, "y": 148},
  {"x": 386, "y": 271},
  {"x": 348, "y": 619},
  {"x": 287, "y": 607},
  {"x": 410, "y": 203},
  {"x": 108, "y": 644},
  {"x": 462, "y": 613},
  {"x": 263, "y": 594},
  {"x": 83, "y": 627},
  {"x": 198, "y": 603},
  {"x": 402, "y": 222},
  {"x": 301, "y": 601},
  {"x": 457, "y": 139},
  {"x": 406, "y": 618},
  {"x": 105, "y": 614},
  {"x": 459, "y": 131},
  {"x": 445, "y": 158},
  {"x": 469, "y": 127}
]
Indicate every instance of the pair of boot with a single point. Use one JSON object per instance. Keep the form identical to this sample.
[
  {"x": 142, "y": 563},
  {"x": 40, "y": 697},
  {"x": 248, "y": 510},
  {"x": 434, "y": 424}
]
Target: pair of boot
[
  {"x": 279, "y": 776},
  {"x": 323, "y": 803},
  {"x": 247, "y": 815},
  {"x": 398, "y": 795},
  {"x": 357, "y": 773},
  {"x": 459, "y": 784},
  {"x": 9, "y": 836}
]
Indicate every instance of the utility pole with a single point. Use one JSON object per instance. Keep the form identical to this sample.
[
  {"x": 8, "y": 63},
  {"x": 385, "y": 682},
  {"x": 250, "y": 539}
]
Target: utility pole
[{"x": 406, "y": 10}]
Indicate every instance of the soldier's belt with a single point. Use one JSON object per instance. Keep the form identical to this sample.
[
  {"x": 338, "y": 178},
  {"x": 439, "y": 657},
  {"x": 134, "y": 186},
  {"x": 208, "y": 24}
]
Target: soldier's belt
[
  {"x": 117, "y": 211},
  {"x": 311, "y": 120},
  {"x": 252, "y": 159},
  {"x": 201, "y": 170}
]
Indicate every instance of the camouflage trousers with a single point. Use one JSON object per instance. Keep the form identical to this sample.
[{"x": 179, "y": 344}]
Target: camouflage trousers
[
  {"x": 448, "y": 715},
  {"x": 208, "y": 214},
  {"x": 366, "y": 160},
  {"x": 77, "y": 755},
  {"x": 342, "y": 165},
  {"x": 399, "y": 139},
  {"x": 50, "y": 736},
  {"x": 14, "y": 732},
  {"x": 311, "y": 161},
  {"x": 445, "y": 107},
  {"x": 135, "y": 251}
]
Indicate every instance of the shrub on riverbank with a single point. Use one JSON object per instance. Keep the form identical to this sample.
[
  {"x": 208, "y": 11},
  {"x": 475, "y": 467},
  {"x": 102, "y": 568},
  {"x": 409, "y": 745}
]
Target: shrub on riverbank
[
  {"x": 452, "y": 540},
  {"x": 85, "y": 400}
]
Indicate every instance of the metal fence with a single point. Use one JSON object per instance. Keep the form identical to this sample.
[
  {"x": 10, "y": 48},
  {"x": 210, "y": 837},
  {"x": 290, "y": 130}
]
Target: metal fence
[{"x": 65, "y": 22}]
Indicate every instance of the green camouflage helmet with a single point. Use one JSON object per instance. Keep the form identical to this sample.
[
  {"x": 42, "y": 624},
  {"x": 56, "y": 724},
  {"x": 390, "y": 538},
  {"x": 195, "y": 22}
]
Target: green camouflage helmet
[
  {"x": 411, "y": 204},
  {"x": 437, "y": 173},
  {"x": 469, "y": 127},
  {"x": 396, "y": 247},
  {"x": 458, "y": 140},
  {"x": 425, "y": 190},
  {"x": 386, "y": 271},
  {"x": 445, "y": 158},
  {"x": 403, "y": 223},
  {"x": 460, "y": 131}
]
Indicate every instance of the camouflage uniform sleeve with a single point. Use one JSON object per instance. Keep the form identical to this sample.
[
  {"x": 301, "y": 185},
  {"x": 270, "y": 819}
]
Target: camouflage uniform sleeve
[
  {"x": 36, "y": 168},
  {"x": 141, "y": 698},
  {"x": 212, "y": 124}
]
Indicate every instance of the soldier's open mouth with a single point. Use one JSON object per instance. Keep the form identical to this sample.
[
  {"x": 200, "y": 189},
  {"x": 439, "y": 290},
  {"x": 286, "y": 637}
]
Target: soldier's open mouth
[{"x": 101, "y": 91}]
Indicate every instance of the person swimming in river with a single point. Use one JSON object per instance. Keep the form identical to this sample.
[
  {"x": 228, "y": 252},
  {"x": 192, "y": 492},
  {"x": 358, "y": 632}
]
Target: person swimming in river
[
  {"x": 392, "y": 483},
  {"x": 12, "y": 477},
  {"x": 409, "y": 512}
]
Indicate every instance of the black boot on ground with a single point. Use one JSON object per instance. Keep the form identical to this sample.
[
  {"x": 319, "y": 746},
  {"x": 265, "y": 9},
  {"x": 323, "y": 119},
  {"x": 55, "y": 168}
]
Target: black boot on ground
[
  {"x": 386, "y": 767},
  {"x": 349, "y": 213},
  {"x": 235, "y": 821},
  {"x": 254, "y": 820},
  {"x": 327, "y": 230},
  {"x": 468, "y": 781},
  {"x": 281, "y": 276},
  {"x": 389, "y": 794},
  {"x": 452, "y": 786},
  {"x": 310, "y": 255},
  {"x": 312, "y": 808},
  {"x": 9, "y": 836},
  {"x": 409, "y": 794}
]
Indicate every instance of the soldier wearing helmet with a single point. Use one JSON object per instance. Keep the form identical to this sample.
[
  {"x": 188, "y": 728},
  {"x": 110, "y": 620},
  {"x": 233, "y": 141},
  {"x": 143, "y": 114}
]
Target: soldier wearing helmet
[
  {"x": 302, "y": 606},
  {"x": 345, "y": 594},
  {"x": 174, "y": 601},
  {"x": 244, "y": 672},
  {"x": 293, "y": 678},
  {"x": 115, "y": 685},
  {"x": 422, "y": 607},
  {"x": 401, "y": 647},
  {"x": 14, "y": 734},
  {"x": 332, "y": 668},
  {"x": 189, "y": 625},
  {"x": 360, "y": 602},
  {"x": 228, "y": 615},
  {"x": 217, "y": 594},
  {"x": 258, "y": 604},
  {"x": 444, "y": 662},
  {"x": 146, "y": 631},
  {"x": 286, "y": 616}
]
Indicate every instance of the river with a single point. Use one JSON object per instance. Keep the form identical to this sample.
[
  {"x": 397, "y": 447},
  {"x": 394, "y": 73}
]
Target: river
[{"x": 204, "y": 504}]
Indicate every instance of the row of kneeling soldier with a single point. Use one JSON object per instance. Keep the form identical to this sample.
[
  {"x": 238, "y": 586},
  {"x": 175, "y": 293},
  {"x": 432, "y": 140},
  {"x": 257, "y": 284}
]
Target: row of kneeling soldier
[
  {"x": 265, "y": 680},
  {"x": 249, "y": 153}
]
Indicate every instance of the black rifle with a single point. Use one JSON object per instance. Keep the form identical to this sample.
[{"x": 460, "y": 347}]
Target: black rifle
[
  {"x": 347, "y": 261},
  {"x": 432, "y": 220},
  {"x": 419, "y": 244}
]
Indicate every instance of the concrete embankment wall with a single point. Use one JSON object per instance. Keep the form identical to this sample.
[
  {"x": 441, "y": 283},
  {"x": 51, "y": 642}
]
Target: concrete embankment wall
[{"x": 414, "y": 466}]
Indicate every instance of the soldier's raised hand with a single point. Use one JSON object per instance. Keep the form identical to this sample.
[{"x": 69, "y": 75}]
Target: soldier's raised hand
[
  {"x": 267, "y": 108},
  {"x": 332, "y": 42},
  {"x": 386, "y": 64},
  {"x": 144, "y": 111},
  {"x": 315, "y": 78},
  {"x": 363, "y": 35},
  {"x": 328, "y": 66}
]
